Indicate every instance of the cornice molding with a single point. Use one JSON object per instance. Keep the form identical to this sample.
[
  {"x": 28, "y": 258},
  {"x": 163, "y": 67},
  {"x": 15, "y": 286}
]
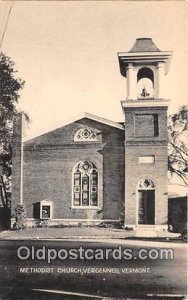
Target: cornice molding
[
  {"x": 149, "y": 103},
  {"x": 146, "y": 143}
]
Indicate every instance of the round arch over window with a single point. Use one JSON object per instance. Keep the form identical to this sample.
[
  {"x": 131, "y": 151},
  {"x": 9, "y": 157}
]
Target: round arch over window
[
  {"x": 85, "y": 135},
  {"x": 145, "y": 73},
  {"x": 85, "y": 185},
  {"x": 146, "y": 184}
]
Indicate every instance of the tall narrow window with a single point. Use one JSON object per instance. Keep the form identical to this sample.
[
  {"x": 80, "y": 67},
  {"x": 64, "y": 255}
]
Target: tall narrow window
[
  {"x": 156, "y": 125},
  {"x": 77, "y": 188},
  {"x": 85, "y": 185}
]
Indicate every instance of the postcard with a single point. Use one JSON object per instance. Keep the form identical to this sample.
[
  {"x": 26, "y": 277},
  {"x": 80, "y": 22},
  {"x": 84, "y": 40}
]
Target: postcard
[{"x": 93, "y": 150}]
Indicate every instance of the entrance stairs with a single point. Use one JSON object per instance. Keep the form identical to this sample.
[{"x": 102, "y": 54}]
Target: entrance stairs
[{"x": 151, "y": 232}]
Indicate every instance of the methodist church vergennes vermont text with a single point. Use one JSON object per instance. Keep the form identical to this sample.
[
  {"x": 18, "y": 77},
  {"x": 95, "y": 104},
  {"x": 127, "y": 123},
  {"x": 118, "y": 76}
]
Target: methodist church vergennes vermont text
[{"x": 91, "y": 170}]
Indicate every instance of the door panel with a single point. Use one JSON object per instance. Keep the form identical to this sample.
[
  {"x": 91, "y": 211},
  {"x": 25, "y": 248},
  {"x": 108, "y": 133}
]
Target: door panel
[{"x": 146, "y": 207}]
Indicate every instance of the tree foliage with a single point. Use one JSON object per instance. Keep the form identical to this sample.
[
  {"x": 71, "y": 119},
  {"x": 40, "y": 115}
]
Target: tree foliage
[
  {"x": 177, "y": 148},
  {"x": 10, "y": 86},
  {"x": 20, "y": 217}
]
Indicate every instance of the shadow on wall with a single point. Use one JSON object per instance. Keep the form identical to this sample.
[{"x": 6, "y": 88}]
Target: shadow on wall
[{"x": 5, "y": 215}]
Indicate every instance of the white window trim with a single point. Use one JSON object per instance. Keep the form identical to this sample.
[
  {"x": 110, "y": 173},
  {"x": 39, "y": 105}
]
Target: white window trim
[{"x": 85, "y": 207}]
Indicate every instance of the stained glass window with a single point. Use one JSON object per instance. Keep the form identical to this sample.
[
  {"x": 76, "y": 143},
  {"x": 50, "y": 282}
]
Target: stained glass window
[{"x": 85, "y": 185}]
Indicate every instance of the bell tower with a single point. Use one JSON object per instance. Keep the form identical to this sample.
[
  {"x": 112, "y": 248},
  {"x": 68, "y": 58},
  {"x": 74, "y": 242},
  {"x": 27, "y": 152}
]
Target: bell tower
[{"x": 145, "y": 109}]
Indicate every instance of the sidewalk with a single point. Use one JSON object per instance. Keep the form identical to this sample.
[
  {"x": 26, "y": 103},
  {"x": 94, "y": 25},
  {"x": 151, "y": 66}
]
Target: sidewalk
[{"x": 82, "y": 233}]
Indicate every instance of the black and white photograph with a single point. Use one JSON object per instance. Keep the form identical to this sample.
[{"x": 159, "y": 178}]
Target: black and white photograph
[{"x": 93, "y": 150}]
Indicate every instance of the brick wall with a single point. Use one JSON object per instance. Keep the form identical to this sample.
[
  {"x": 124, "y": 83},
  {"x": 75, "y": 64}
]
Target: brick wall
[
  {"x": 147, "y": 145},
  {"x": 48, "y": 175},
  {"x": 157, "y": 172},
  {"x": 130, "y": 114},
  {"x": 50, "y": 159}
]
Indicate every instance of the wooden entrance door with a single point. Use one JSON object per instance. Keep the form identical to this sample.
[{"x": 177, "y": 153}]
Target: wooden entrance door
[{"x": 146, "y": 207}]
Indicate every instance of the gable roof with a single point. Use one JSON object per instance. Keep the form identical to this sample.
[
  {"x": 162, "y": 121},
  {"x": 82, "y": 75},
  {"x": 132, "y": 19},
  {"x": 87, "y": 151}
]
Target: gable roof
[
  {"x": 74, "y": 119},
  {"x": 144, "y": 45}
]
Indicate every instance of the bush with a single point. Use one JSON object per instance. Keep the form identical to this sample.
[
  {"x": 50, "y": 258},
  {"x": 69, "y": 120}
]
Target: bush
[{"x": 20, "y": 217}]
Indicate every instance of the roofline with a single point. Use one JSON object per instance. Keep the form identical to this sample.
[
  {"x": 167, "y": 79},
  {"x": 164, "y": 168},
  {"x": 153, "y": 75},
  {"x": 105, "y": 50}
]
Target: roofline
[
  {"x": 147, "y": 57},
  {"x": 74, "y": 119},
  {"x": 146, "y": 53}
]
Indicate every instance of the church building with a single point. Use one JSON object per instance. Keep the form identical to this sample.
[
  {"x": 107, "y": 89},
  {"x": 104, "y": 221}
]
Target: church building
[{"x": 92, "y": 170}]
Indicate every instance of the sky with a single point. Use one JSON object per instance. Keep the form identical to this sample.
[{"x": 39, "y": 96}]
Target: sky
[{"x": 66, "y": 51}]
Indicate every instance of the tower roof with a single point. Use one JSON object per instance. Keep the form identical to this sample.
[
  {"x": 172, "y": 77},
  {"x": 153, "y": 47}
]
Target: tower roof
[
  {"x": 143, "y": 52},
  {"x": 144, "y": 45}
]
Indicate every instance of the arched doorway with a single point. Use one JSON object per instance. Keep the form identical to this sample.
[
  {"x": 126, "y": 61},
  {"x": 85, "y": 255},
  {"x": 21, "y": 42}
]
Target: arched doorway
[{"x": 146, "y": 202}]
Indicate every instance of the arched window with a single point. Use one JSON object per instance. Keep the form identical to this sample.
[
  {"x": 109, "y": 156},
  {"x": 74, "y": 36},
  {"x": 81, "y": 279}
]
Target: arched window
[
  {"x": 145, "y": 81},
  {"x": 146, "y": 184},
  {"x": 86, "y": 135},
  {"x": 85, "y": 185}
]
